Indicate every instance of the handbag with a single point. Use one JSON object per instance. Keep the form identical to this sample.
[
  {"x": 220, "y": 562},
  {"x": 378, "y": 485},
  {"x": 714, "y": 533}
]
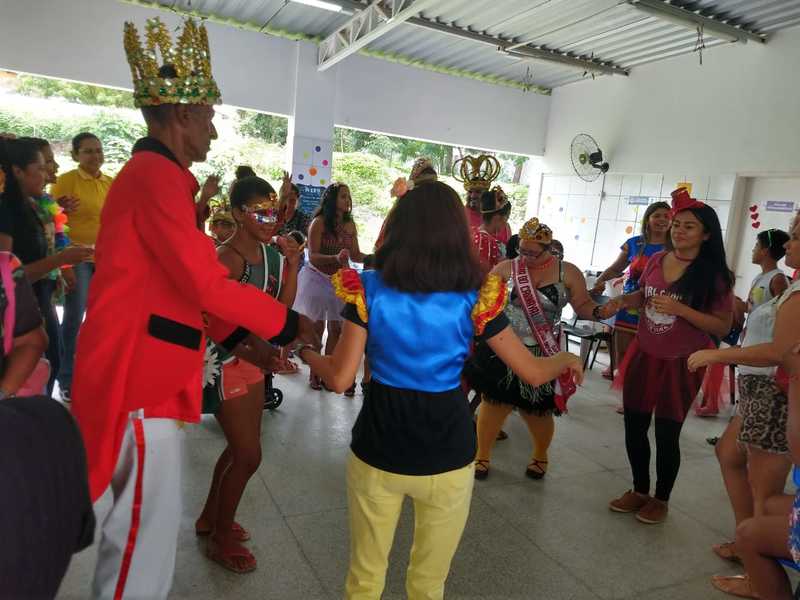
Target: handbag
[{"x": 36, "y": 384}]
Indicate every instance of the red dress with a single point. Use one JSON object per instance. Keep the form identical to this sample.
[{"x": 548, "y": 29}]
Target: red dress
[
  {"x": 656, "y": 377},
  {"x": 158, "y": 284}
]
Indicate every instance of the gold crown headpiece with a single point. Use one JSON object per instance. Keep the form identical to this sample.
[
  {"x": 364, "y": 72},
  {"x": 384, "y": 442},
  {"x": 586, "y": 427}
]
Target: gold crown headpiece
[
  {"x": 192, "y": 82},
  {"x": 476, "y": 172},
  {"x": 534, "y": 231}
]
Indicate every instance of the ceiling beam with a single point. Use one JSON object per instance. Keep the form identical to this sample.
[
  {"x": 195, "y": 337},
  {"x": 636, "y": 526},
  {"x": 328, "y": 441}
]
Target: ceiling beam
[
  {"x": 715, "y": 26},
  {"x": 366, "y": 26},
  {"x": 530, "y": 52}
]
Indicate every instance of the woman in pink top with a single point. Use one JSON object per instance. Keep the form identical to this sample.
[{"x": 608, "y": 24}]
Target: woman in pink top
[{"x": 685, "y": 297}]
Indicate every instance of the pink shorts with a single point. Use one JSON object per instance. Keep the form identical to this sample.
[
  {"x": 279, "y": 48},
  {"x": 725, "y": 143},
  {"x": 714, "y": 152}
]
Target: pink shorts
[{"x": 237, "y": 375}]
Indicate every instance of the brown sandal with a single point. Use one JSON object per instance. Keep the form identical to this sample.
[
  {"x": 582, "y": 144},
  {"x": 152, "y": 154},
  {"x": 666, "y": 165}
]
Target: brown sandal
[
  {"x": 727, "y": 551},
  {"x": 536, "y": 469},
  {"x": 481, "y": 469},
  {"x": 240, "y": 534},
  {"x": 736, "y": 585},
  {"x": 228, "y": 558}
]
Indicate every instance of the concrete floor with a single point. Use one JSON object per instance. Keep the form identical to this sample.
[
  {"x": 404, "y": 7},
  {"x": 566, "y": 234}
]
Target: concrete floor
[{"x": 553, "y": 539}]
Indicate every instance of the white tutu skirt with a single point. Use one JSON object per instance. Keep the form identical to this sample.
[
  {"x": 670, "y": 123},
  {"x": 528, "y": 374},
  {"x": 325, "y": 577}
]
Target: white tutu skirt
[{"x": 315, "y": 296}]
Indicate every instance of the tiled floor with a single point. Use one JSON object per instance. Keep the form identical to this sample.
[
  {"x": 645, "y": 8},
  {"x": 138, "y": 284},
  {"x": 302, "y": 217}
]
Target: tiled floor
[{"x": 553, "y": 539}]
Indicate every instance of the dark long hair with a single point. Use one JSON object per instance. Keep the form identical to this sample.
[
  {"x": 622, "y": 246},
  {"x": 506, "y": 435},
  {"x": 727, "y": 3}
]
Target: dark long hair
[
  {"x": 488, "y": 202},
  {"x": 327, "y": 207},
  {"x": 427, "y": 247},
  {"x": 708, "y": 276},
  {"x": 646, "y": 230},
  {"x": 19, "y": 153}
]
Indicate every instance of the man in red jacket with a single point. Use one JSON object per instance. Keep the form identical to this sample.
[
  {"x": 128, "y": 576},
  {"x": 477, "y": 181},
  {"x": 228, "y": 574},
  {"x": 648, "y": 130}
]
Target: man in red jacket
[{"x": 158, "y": 290}]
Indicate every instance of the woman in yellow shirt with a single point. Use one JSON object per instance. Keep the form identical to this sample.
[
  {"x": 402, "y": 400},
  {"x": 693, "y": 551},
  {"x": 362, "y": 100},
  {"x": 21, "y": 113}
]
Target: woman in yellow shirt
[{"x": 88, "y": 185}]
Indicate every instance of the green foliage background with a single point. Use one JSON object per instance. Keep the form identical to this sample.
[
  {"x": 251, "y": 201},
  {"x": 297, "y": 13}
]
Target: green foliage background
[{"x": 368, "y": 162}]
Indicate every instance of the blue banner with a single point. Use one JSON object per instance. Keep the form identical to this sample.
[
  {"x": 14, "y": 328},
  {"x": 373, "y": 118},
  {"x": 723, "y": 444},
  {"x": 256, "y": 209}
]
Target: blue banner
[{"x": 310, "y": 196}]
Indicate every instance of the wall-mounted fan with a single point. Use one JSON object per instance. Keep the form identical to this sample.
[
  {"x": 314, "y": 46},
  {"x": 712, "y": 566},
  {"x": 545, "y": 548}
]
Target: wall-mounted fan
[{"x": 587, "y": 158}]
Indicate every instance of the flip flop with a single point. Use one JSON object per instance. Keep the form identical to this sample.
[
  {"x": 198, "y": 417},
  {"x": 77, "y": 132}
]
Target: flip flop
[
  {"x": 536, "y": 469},
  {"x": 727, "y": 551},
  {"x": 240, "y": 534},
  {"x": 227, "y": 558},
  {"x": 736, "y": 585}
]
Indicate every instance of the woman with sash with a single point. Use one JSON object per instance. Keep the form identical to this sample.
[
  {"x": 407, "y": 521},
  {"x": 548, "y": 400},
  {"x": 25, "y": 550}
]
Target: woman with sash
[
  {"x": 541, "y": 287},
  {"x": 685, "y": 297},
  {"x": 234, "y": 387}
]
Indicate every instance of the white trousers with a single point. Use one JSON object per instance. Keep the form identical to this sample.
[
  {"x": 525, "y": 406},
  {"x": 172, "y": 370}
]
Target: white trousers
[{"x": 139, "y": 515}]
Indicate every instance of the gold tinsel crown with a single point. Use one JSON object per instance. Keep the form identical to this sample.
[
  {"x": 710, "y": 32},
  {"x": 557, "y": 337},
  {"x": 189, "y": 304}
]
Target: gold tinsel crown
[
  {"x": 534, "y": 231},
  {"x": 476, "y": 172},
  {"x": 186, "y": 78}
]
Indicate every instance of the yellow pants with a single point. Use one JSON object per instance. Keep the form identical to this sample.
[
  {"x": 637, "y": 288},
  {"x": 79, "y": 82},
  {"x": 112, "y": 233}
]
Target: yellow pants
[{"x": 375, "y": 498}]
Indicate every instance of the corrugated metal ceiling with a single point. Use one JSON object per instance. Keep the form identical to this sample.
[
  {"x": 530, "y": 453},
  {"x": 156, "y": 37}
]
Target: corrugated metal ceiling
[{"x": 606, "y": 30}]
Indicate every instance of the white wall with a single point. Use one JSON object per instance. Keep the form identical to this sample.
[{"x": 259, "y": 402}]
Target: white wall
[
  {"x": 382, "y": 96},
  {"x": 738, "y": 113},
  {"x": 82, "y": 40},
  {"x": 758, "y": 191}
]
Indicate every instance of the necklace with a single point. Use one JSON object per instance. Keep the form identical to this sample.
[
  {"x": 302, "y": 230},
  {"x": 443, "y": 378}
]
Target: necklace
[
  {"x": 680, "y": 258},
  {"x": 544, "y": 265}
]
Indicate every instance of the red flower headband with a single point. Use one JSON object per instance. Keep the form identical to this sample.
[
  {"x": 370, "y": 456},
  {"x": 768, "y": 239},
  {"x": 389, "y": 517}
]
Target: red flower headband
[{"x": 681, "y": 200}]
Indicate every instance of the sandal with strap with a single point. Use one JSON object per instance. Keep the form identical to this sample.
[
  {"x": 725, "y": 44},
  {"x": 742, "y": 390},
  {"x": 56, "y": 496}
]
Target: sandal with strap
[
  {"x": 481, "y": 469},
  {"x": 287, "y": 368},
  {"x": 240, "y": 534},
  {"x": 736, "y": 585},
  {"x": 314, "y": 382},
  {"x": 237, "y": 559},
  {"x": 727, "y": 551},
  {"x": 537, "y": 469}
]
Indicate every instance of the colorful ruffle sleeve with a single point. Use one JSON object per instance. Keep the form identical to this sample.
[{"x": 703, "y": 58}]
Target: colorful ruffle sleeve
[
  {"x": 348, "y": 288},
  {"x": 492, "y": 299}
]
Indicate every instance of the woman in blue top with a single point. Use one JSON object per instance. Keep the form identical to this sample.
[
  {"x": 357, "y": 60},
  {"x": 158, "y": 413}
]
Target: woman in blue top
[
  {"x": 416, "y": 315},
  {"x": 634, "y": 254}
]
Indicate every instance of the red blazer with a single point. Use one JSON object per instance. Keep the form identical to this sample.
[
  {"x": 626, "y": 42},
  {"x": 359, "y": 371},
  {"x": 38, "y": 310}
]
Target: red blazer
[{"x": 157, "y": 281}]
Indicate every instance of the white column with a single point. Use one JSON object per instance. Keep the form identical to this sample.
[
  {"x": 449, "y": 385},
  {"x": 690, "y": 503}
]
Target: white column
[{"x": 310, "y": 136}]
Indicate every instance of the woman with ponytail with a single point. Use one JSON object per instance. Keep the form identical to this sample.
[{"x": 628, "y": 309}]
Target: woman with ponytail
[{"x": 685, "y": 298}]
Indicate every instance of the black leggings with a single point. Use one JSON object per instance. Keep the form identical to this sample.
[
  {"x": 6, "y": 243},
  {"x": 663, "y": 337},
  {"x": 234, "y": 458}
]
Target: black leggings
[
  {"x": 44, "y": 290},
  {"x": 668, "y": 452}
]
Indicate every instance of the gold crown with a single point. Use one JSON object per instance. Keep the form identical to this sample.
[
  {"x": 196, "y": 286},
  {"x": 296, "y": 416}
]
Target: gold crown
[
  {"x": 192, "y": 82},
  {"x": 534, "y": 231},
  {"x": 476, "y": 172}
]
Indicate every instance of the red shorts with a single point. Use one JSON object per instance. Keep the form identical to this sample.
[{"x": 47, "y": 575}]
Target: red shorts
[{"x": 236, "y": 376}]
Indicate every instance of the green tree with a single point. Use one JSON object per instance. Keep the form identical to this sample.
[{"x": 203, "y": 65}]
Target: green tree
[
  {"x": 79, "y": 93},
  {"x": 272, "y": 129}
]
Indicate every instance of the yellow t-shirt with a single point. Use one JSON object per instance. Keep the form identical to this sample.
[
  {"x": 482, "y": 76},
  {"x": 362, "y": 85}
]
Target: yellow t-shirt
[{"x": 91, "y": 191}]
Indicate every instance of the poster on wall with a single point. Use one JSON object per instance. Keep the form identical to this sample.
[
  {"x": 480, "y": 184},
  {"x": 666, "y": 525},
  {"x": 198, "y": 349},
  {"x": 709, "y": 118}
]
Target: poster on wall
[
  {"x": 310, "y": 196},
  {"x": 784, "y": 206},
  {"x": 311, "y": 161}
]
